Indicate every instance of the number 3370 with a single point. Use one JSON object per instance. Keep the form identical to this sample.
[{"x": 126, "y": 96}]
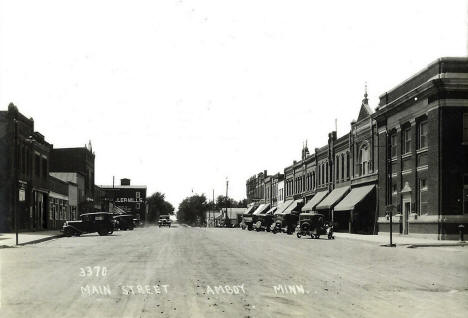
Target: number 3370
[{"x": 89, "y": 271}]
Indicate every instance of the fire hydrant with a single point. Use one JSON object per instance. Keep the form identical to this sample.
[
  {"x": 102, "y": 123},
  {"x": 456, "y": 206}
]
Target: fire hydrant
[{"x": 461, "y": 229}]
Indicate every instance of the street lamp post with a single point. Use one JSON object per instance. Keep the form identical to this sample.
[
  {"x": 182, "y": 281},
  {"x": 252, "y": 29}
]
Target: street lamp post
[{"x": 15, "y": 210}]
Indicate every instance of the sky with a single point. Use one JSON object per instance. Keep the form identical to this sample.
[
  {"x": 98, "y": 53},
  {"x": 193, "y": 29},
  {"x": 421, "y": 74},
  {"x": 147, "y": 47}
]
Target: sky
[{"x": 184, "y": 95}]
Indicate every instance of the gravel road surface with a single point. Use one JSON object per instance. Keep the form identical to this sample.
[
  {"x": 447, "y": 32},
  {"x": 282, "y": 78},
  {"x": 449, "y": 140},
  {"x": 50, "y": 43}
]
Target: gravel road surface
[{"x": 197, "y": 272}]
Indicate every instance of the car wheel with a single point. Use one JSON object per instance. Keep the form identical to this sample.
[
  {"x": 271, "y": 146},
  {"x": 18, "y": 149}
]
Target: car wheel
[
  {"x": 103, "y": 232},
  {"x": 312, "y": 235},
  {"x": 68, "y": 232},
  {"x": 298, "y": 235}
]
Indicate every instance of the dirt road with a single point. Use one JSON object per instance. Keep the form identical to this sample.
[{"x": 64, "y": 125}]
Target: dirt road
[{"x": 197, "y": 272}]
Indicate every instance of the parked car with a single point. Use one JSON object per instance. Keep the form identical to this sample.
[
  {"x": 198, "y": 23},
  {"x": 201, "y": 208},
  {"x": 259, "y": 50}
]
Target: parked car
[
  {"x": 124, "y": 222},
  {"x": 100, "y": 222},
  {"x": 285, "y": 223},
  {"x": 264, "y": 222},
  {"x": 247, "y": 221},
  {"x": 314, "y": 225},
  {"x": 164, "y": 220}
]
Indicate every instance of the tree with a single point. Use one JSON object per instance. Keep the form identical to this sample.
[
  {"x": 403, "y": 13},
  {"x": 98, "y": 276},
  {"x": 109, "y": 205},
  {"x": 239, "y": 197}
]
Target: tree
[
  {"x": 242, "y": 203},
  {"x": 157, "y": 205},
  {"x": 192, "y": 210}
]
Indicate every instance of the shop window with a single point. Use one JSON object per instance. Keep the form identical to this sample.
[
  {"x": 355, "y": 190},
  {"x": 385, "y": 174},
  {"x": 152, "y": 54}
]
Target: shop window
[
  {"x": 465, "y": 127},
  {"x": 465, "y": 194},
  {"x": 422, "y": 134},
  {"x": 406, "y": 141}
]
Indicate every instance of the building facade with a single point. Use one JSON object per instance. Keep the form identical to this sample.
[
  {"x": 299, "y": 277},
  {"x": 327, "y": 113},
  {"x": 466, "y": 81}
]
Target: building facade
[
  {"x": 409, "y": 157},
  {"x": 423, "y": 156},
  {"x": 129, "y": 198},
  {"x": 77, "y": 160},
  {"x": 24, "y": 173}
]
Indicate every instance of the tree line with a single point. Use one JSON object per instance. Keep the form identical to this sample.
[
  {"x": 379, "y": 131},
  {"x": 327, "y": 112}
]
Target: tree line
[{"x": 192, "y": 210}]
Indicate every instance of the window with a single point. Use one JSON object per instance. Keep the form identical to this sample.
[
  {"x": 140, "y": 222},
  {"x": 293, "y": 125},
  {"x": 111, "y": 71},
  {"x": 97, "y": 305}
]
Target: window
[
  {"x": 465, "y": 127},
  {"x": 465, "y": 194},
  {"x": 406, "y": 140},
  {"x": 347, "y": 165},
  {"x": 138, "y": 206},
  {"x": 364, "y": 160},
  {"x": 342, "y": 167},
  {"x": 37, "y": 165},
  {"x": 337, "y": 176},
  {"x": 393, "y": 145},
  {"x": 313, "y": 180},
  {"x": 44, "y": 168},
  {"x": 422, "y": 134},
  {"x": 422, "y": 196}
]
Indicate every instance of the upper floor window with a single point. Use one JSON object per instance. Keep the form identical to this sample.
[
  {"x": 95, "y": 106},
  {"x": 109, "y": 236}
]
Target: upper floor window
[
  {"x": 364, "y": 160},
  {"x": 393, "y": 145},
  {"x": 406, "y": 140},
  {"x": 37, "y": 165},
  {"x": 337, "y": 176},
  {"x": 422, "y": 134}
]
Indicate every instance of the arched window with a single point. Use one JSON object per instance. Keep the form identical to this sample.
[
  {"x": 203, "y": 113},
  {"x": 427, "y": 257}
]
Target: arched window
[
  {"x": 347, "y": 165},
  {"x": 342, "y": 167},
  {"x": 313, "y": 180},
  {"x": 337, "y": 164}
]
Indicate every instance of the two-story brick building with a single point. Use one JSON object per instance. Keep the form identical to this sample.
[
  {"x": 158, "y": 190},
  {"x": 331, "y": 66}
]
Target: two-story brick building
[
  {"x": 423, "y": 151},
  {"x": 24, "y": 173}
]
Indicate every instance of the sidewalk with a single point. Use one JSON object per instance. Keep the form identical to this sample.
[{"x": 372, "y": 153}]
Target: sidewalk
[
  {"x": 9, "y": 239},
  {"x": 400, "y": 240}
]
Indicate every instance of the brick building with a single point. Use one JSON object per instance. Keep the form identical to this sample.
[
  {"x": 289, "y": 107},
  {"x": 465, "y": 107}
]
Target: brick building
[
  {"x": 24, "y": 173},
  {"x": 130, "y": 198},
  {"x": 423, "y": 156},
  {"x": 410, "y": 155},
  {"x": 80, "y": 161}
]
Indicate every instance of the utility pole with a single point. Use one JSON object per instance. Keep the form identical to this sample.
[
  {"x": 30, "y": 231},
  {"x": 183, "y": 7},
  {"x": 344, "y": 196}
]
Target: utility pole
[{"x": 227, "y": 198}]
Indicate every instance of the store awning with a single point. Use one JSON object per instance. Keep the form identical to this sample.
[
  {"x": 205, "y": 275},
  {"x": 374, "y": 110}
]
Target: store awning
[
  {"x": 262, "y": 208},
  {"x": 272, "y": 210},
  {"x": 333, "y": 198},
  {"x": 314, "y": 201},
  {"x": 283, "y": 206},
  {"x": 354, "y": 197},
  {"x": 250, "y": 209},
  {"x": 292, "y": 206}
]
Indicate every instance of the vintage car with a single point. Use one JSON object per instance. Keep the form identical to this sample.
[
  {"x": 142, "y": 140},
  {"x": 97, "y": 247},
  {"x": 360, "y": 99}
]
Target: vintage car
[
  {"x": 101, "y": 222},
  {"x": 124, "y": 222},
  {"x": 164, "y": 220},
  {"x": 314, "y": 225},
  {"x": 248, "y": 221},
  {"x": 285, "y": 223},
  {"x": 264, "y": 222}
]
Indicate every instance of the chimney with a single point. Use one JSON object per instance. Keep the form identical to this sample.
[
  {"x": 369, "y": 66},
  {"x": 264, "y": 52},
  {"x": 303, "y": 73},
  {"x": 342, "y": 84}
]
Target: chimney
[{"x": 125, "y": 182}]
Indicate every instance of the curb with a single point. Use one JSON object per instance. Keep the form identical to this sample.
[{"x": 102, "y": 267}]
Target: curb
[{"x": 437, "y": 245}]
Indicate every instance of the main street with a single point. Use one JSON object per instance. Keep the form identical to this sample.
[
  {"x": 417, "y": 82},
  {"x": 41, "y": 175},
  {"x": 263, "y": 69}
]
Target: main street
[{"x": 199, "y": 272}]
